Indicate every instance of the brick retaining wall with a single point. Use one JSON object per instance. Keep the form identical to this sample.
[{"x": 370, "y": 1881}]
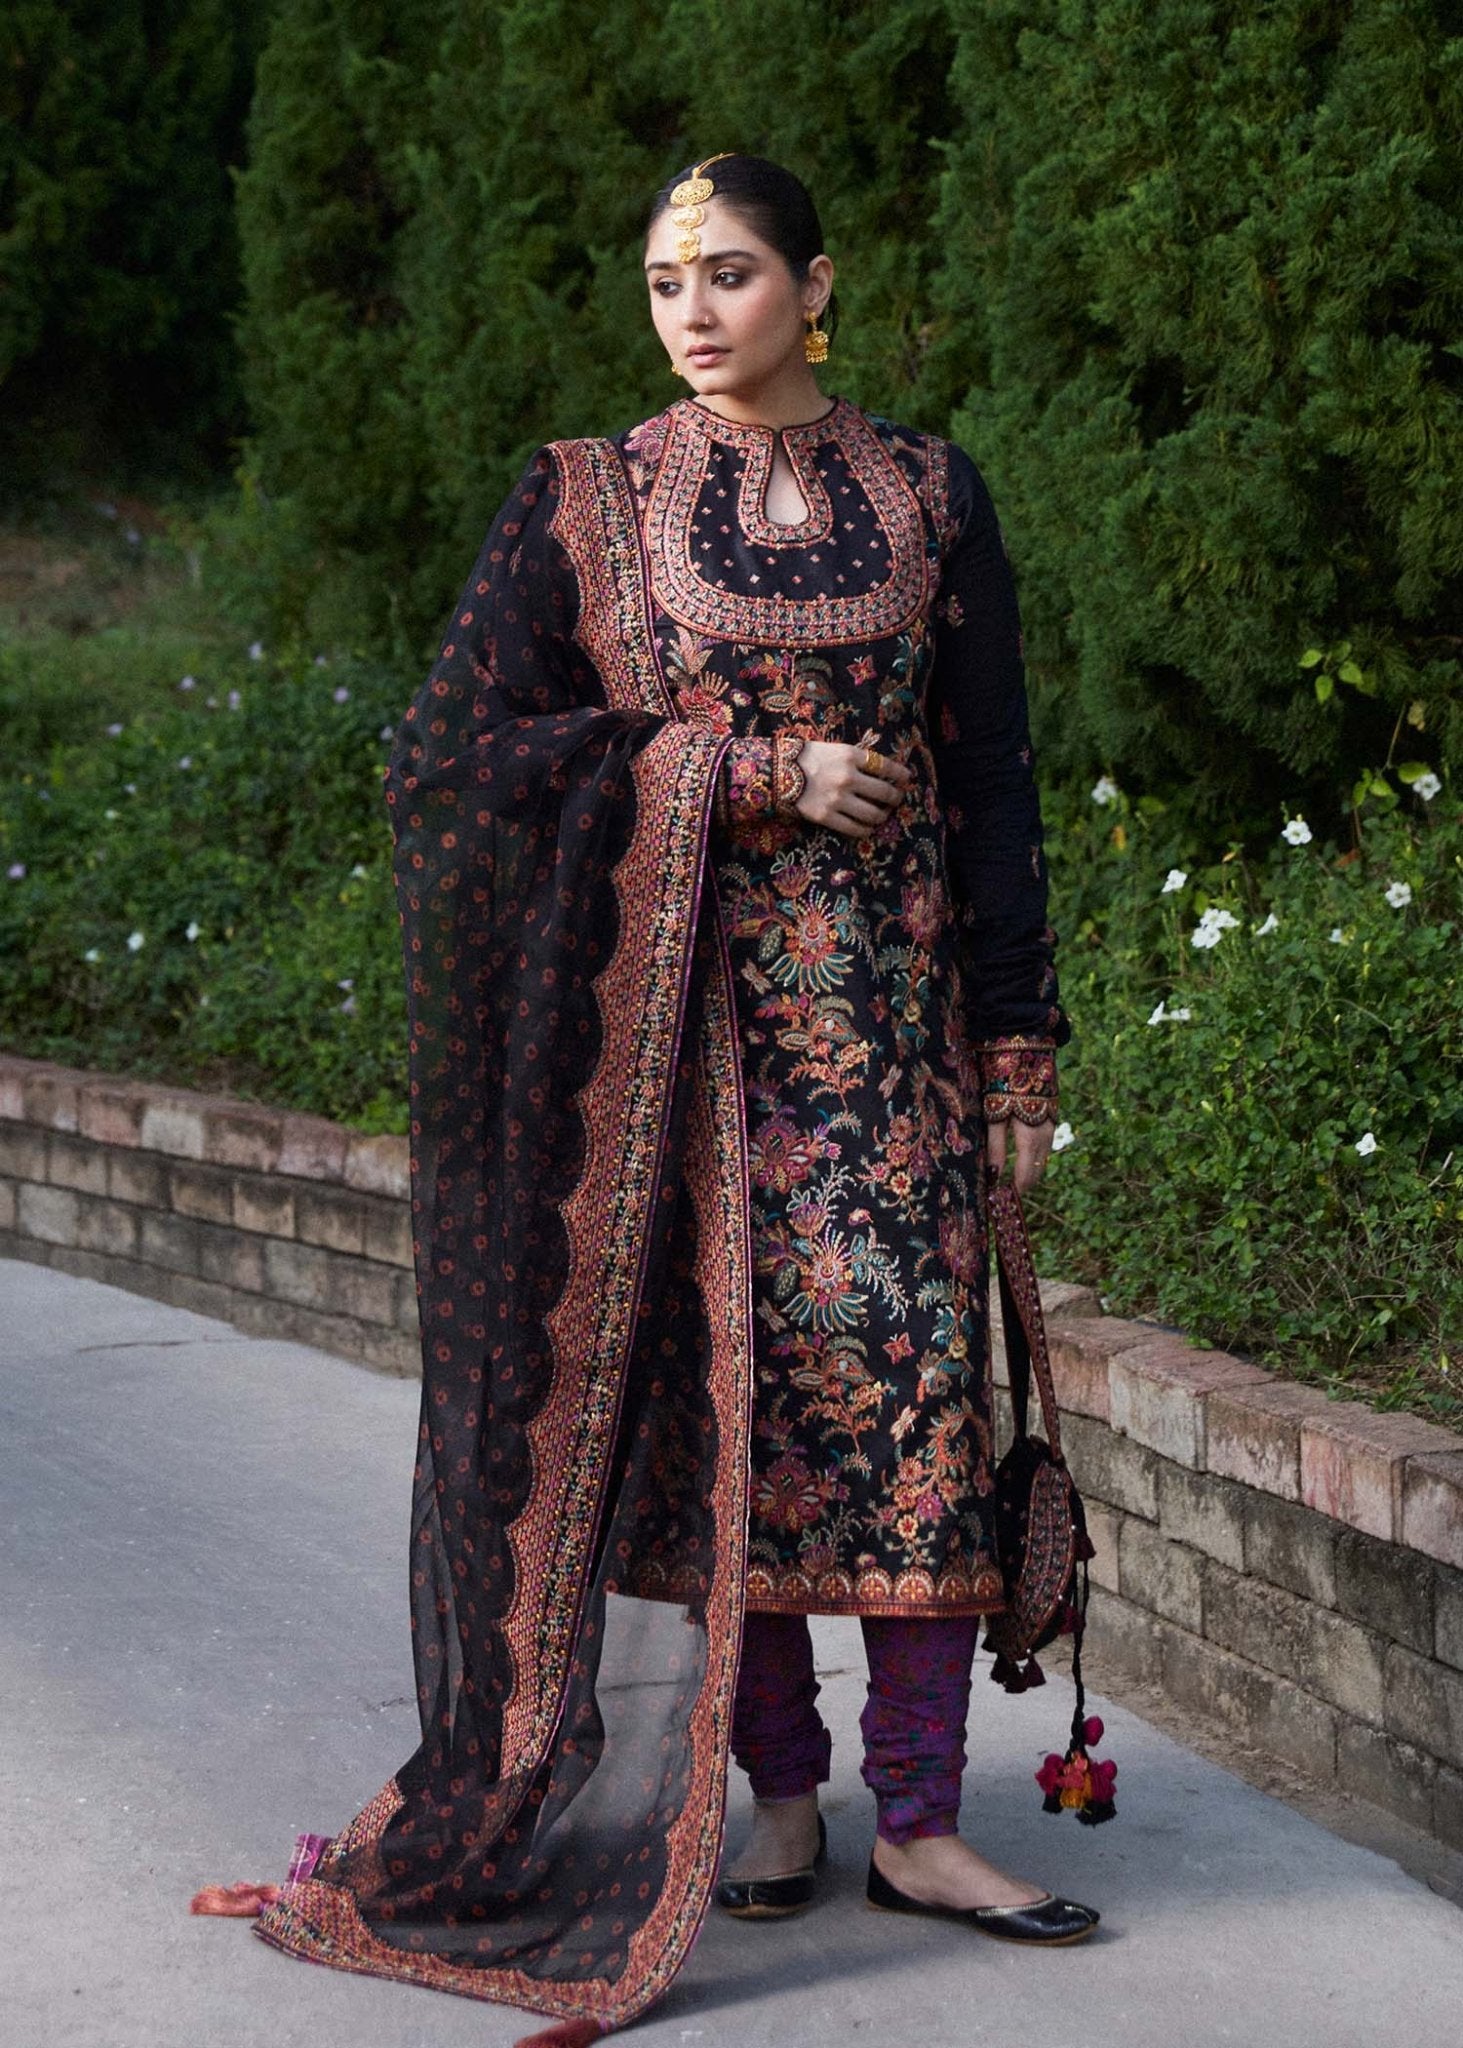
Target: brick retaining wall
[
  {"x": 1280, "y": 1565},
  {"x": 285, "y": 1225}
]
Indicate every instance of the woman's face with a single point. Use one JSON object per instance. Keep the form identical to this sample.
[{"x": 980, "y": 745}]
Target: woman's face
[{"x": 733, "y": 320}]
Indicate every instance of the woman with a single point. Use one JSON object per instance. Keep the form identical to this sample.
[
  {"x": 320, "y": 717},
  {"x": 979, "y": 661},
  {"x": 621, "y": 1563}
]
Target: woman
[{"x": 723, "y": 905}]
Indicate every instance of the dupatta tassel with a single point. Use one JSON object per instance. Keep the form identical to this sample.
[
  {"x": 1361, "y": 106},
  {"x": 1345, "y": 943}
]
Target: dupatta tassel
[
  {"x": 568, "y": 2034},
  {"x": 241, "y": 1901},
  {"x": 1016, "y": 1675},
  {"x": 245, "y": 1901},
  {"x": 1077, "y": 1782}
]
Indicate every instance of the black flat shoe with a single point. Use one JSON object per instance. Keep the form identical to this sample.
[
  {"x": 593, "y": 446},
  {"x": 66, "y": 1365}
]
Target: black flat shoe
[
  {"x": 773, "y": 1898},
  {"x": 1048, "y": 1921}
]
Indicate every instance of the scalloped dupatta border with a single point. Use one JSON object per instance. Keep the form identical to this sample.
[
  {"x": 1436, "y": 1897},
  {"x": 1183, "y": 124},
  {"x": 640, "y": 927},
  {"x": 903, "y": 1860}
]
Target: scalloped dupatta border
[{"x": 667, "y": 913}]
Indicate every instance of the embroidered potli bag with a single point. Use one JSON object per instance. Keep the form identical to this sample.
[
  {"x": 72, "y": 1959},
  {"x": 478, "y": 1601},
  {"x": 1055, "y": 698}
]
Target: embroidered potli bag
[{"x": 1041, "y": 1530}]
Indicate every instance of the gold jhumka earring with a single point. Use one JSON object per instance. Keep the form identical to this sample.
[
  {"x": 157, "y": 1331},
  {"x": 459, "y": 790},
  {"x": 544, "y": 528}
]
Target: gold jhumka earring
[
  {"x": 815, "y": 341},
  {"x": 688, "y": 208}
]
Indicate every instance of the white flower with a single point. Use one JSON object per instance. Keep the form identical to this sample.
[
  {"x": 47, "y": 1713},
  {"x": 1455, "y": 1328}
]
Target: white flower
[
  {"x": 193, "y": 930},
  {"x": 341, "y": 694},
  {"x": 212, "y": 703},
  {"x": 256, "y": 650},
  {"x": 1298, "y": 832},
  {"x": 1338, "y": 937},
  {"x": 320, "y": 661},
  {"x": 132, "y": 537},
  {"x": 1062, "y": 1137},
  {"x": 387, "y": 731},
  {"x": 349, "y": 982},
  {"x": 1427, "y": 786},
  {"x": 1366, "y": 1144},
  {"x": 185, "y": 760},
  {"x": 1212, "y": 926},
  {"x": 135, "y": 942},
  {"x": 235, "y": 700},
  {"x": 1271, "y": 924},
  {"x": 91, "y": 956},
  {"x": 1399, "y": 895},
  {"x": 188, "y": 683},
  {"x": 16, "y": 871},
  {"x": 1163, "y": 1015},
  {"x": 111, "y": 814},
  {"x": 360, "y": 871},
  {"x": 1173, "y": 882},
  {"x": 348, "y": 1006},
  {"x": 115, "y": 729},
  {"x": 130, "y": 787},
  {"x": 1105, "y": 790}
]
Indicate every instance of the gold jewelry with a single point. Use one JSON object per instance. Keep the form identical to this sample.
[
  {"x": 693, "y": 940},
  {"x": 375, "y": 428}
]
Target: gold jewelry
[
  {"x": 815, "y": 341},
  {"x": 873, "y": 761},
  {"x": 688, "y": 208}
]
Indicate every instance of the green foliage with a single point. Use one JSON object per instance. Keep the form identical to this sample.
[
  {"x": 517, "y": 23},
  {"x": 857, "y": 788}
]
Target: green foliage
[
  {"x": 118, "y": 262},
  {"x": 204, "y": 886},
  {"x": 443, "y": 222},
  {"x": 1201, "y": 292},
  {"x": 1213, "y": 1179},
  {"x": 1186, "y": 281},
  {"x": 1225, "y": 1078}
]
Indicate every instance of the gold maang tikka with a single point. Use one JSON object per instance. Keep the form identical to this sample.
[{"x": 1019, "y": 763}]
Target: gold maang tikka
[{"x": 688, "y": 208}]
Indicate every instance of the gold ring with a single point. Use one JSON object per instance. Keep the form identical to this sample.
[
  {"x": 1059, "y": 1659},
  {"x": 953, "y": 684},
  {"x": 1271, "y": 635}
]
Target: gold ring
[{"x": 872, "y": 761}]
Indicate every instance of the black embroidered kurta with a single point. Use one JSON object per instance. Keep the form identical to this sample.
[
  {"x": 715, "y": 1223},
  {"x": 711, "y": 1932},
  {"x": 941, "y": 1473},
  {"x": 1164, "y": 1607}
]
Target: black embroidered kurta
[{"x": 881, "y": 984}]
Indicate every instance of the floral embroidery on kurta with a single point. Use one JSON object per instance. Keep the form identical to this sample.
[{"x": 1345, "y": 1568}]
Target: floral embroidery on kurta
[{"x": 857, "y": 968}]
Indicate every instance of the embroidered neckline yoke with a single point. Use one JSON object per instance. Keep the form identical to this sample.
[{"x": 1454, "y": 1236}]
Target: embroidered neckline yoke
[{"x": 719, "y": 565}]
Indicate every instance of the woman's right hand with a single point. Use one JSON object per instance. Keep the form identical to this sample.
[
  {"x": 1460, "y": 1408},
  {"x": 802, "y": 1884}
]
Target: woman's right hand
[{"x": 839, "y": 794}]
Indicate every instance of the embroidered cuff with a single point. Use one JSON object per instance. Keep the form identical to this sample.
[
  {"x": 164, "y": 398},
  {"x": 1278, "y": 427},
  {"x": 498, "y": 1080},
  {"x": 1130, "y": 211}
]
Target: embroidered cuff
[
  {"x": 761, "y": 780},
  {"x": 1019, "y": 1079},
  {"x": 788, "y": 779}
]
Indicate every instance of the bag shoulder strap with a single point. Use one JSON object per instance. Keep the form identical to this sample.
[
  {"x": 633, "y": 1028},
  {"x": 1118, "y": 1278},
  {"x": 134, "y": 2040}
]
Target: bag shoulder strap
[{"x": 1021, "y": 1317}]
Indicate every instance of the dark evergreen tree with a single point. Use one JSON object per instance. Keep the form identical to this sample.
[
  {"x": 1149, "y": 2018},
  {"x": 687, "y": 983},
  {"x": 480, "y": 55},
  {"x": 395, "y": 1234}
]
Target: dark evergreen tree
[
  {"x": 856, "y": 100},
  {"x": 1201, "y": 299},
  {"x": 443, "y": 238},
  {"x": 118, "y": 259},
  {"x": 523, "y": 273},
  {"x": 325, "y": 207}
]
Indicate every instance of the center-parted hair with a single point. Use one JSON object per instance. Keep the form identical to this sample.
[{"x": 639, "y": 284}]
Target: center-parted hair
[{"x": 773, "y": 201}]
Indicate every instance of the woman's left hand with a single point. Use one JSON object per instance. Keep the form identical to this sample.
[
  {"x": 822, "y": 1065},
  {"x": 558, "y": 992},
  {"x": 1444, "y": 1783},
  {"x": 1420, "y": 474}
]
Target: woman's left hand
[{"x": 1032, "y": 1148}]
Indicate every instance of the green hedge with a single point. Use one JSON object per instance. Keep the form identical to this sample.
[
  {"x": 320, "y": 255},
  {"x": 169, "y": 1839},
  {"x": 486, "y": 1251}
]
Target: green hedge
[
  {"x": 442, "y": 221},
  {"x": 118, "y": 258},
  {"x": 1214, "y": 260},
  {"x": 1263, "y": 1100},
  {"x": 204, "y": 893},
  {"x": 196, "y": 883},
  {"x": 1187, "y": 283}
]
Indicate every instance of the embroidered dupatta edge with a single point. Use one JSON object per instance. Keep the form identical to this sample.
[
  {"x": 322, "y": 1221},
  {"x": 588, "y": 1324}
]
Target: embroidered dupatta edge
[{"x": 642, "y": 997}]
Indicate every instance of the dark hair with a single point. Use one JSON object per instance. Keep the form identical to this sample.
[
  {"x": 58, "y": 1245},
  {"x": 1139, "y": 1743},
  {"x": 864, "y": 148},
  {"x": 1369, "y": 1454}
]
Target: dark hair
[{"x": 775, "y": 204}]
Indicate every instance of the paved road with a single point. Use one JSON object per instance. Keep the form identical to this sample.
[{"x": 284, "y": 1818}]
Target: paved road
[{"x": 203, "y": 1649}]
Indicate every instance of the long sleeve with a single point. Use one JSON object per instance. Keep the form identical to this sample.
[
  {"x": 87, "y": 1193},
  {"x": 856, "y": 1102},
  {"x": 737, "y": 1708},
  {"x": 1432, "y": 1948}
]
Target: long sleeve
[
  {"x": 760, "y": 780},
  {"x": 981, "y": 742}
]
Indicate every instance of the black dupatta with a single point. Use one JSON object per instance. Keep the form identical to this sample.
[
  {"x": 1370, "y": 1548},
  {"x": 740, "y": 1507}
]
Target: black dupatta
[{"x": 580, "y": 1222}]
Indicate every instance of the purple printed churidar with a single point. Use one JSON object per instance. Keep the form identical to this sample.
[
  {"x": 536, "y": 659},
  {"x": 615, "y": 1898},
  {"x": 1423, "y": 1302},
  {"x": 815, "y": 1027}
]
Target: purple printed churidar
[{"x": 698, "y": 1103}]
